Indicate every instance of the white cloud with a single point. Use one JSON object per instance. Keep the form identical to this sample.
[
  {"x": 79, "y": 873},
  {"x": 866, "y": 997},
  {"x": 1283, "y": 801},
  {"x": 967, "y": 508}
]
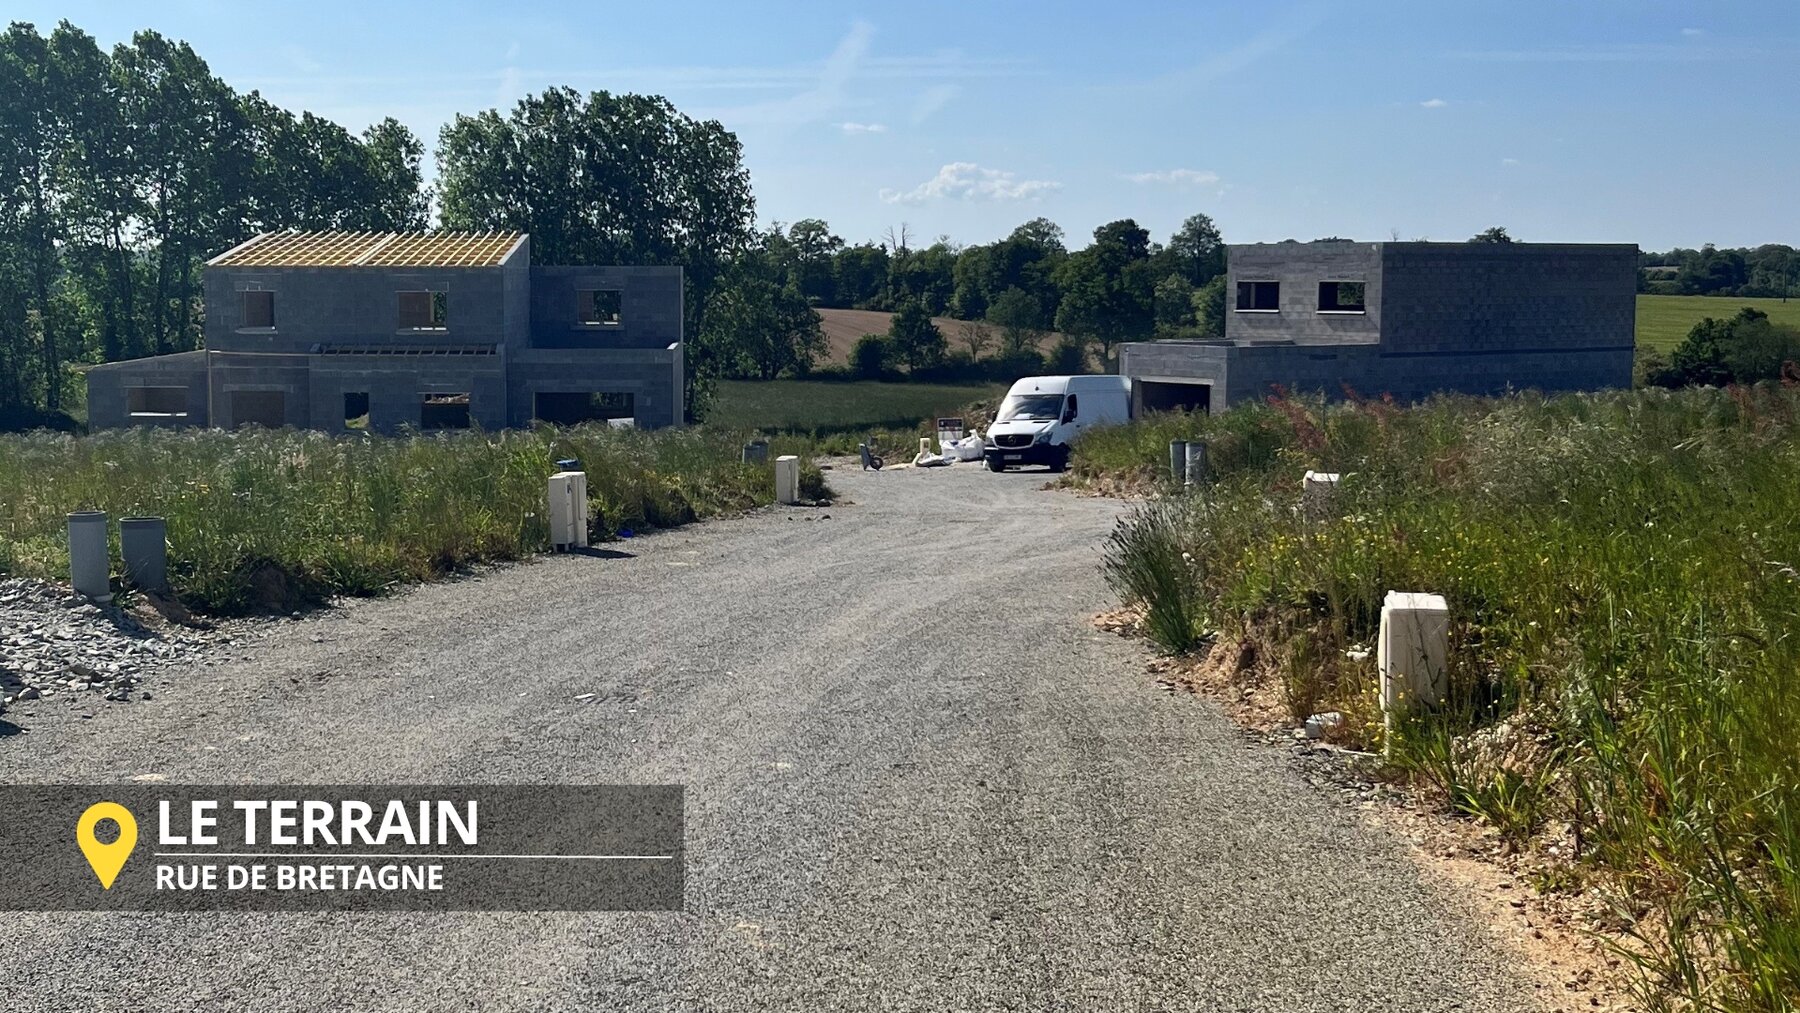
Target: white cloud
[
  {"x": 863, "y": 128},
  {"x": 969, "y": 181},
  {"x": 1509, "y": 161},
  {"x": 1177, "y": 177},
  {"x": 1693, "y": 33},
  {"x": 1434, "y": 103},
  {"x": 934, "y": 98}
]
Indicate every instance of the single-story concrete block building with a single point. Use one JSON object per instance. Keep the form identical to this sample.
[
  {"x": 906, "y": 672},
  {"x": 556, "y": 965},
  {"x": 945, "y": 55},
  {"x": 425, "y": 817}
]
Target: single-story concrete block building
[
  {"x": 337, "y": 330},
  {"x": 1403, "y": 319}
]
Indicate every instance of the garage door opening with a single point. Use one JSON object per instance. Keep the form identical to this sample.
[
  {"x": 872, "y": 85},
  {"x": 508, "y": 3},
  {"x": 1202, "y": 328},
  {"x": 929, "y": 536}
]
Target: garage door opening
[
  {"x": 561, "y": 408},
  {"x": 444, "y": 411},
  {"x": 1164, "y": 396},
  {"x": 266, "y": 408},
  {"x": 356, "y": 410}
]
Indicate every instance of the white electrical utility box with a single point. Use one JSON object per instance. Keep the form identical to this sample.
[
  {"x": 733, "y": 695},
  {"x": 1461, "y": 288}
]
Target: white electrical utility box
[
  {"x": 787, "y": 478},
  {"x": 1413, "y": 650},
  {"x": 568, "y": 510}
]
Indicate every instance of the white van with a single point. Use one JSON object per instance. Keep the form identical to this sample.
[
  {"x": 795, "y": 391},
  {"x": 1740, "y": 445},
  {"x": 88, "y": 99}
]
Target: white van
[{"x": 1042, "y": 415}]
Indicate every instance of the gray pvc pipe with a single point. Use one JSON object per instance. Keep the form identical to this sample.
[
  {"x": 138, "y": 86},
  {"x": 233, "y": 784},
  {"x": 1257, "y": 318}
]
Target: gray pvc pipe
[
  {"x": 90, "y": 569},
  {"x": 144, "y": 542}
]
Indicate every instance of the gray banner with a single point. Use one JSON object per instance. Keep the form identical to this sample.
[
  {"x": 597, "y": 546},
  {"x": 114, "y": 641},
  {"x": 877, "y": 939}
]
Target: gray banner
[{"x": 341, "y": 848}]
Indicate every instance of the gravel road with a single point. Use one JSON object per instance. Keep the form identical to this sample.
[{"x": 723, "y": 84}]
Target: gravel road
[{"x": 917, "y": 780}]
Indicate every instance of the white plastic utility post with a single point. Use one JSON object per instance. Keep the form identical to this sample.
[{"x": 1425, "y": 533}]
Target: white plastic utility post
[
  {"x": 1413, "y": 648},
  {"x": 1318, "y": 489},
  {"x": 568, "y": 510},
  {"x": 787, "y": 478}
]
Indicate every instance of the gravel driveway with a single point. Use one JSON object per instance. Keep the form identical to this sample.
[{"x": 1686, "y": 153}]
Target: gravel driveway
[{"x": 917, "y": 780}]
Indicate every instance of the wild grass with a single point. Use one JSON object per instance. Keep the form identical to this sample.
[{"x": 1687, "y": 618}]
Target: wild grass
[
  {"x": 1623, "y": 572},
  {"x": 258, "y": 519}
]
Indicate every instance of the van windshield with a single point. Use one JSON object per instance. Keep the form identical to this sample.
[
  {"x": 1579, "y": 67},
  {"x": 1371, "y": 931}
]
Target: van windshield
[{"x": 1030, "y": 407}]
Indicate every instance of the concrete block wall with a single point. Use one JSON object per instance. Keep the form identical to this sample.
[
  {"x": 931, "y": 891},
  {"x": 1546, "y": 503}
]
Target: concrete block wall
[
  {"x": 109, "y": 404},
  {"x": 354, "y": 306},
  {"x": 397, "y": 391},
  {"x": 287, "y": 374},
  {"x": 652, "y": 376},
  {"x": 1176, "y": 360},
  {"x": 650, "y": 312},
  {"x": 1509, "y": 297},
  {"x": 1299, "y": 268}
]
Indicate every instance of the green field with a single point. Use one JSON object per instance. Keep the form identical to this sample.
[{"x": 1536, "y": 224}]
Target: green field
[
  {"x": 812, "y": 406},
  {"x": 1663, "y": 320}
]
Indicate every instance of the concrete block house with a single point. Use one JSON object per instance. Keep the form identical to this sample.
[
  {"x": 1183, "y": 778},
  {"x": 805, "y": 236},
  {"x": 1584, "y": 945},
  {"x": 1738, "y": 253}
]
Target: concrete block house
[
  {"x": 1406, "y": 319},
  {"x": 385, "y": 331}
]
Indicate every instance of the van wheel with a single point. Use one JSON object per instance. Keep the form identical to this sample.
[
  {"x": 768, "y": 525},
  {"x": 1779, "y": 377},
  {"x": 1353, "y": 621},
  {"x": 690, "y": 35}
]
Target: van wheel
[
  {"x": 996, "y": 465},
  {"x": 1061, "y": 463}
]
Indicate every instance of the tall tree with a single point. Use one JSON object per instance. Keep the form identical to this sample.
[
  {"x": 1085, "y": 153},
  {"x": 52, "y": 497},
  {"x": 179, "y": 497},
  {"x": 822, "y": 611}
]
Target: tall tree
[
  {"x": 1174, "y": 297},
  {"x": 1021, "y": 322},
  {"x": 915, "y": 339},
  {"x": 1109, "y": 288},
  {"x": 814, "y": 246},
  {"x": 195, "y": 152},
  {"x": 861, "y": 274},
  {"x": 760, "y": 327},
  {"x": 1209, "y": 308},
  {"x": 1198, "y": 250},
  {"x": 605, "y": 179},
  {"x": 396, "y": 199},
  {"x": 35, "y": 104},
  {"x": 105, "y": 186}
]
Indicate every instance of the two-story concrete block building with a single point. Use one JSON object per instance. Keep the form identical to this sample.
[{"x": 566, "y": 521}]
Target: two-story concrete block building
[
  {"x": 1406, "y": 319},
  {"x": 339, "y": 330}
]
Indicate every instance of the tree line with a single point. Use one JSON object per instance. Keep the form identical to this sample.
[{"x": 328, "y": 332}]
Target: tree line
[
  {"x": 1768, "y": 271},
  {"x": 1008, "y": 295},
  {"x": 122, "y": 170}
]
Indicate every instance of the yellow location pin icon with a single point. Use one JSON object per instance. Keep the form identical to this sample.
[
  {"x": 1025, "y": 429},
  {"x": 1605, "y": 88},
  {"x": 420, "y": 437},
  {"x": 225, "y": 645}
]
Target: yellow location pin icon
[{"x": 107, "y": 859}]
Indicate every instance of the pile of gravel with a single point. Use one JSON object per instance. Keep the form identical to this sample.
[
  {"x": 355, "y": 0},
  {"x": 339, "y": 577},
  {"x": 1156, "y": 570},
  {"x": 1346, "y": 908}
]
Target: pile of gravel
[{"x": 57, "y": 645}]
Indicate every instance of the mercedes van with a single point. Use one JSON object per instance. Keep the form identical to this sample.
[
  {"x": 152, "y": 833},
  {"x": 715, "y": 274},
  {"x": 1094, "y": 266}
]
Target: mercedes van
[{"x": 1042, "y": 415}]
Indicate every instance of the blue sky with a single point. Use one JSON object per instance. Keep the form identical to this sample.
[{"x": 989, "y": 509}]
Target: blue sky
[{"x": 1659, "y": 123}]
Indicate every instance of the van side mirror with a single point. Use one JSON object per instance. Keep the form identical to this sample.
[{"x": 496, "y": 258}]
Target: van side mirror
[{"x": 1068, "y": 414}]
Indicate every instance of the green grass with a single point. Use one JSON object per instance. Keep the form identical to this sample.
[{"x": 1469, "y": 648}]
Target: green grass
[
  {"x": 1623, "y": 572},
  {"x": 1664, "y": 320},
  {"x": 260, "y": 520},
  {"x": 824, "y": 408}
]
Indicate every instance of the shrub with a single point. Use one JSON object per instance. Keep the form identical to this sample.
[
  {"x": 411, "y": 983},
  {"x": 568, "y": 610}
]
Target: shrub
[
  {"x": 1068, "y": 356},
  {"x": 872, "y": 357}
]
